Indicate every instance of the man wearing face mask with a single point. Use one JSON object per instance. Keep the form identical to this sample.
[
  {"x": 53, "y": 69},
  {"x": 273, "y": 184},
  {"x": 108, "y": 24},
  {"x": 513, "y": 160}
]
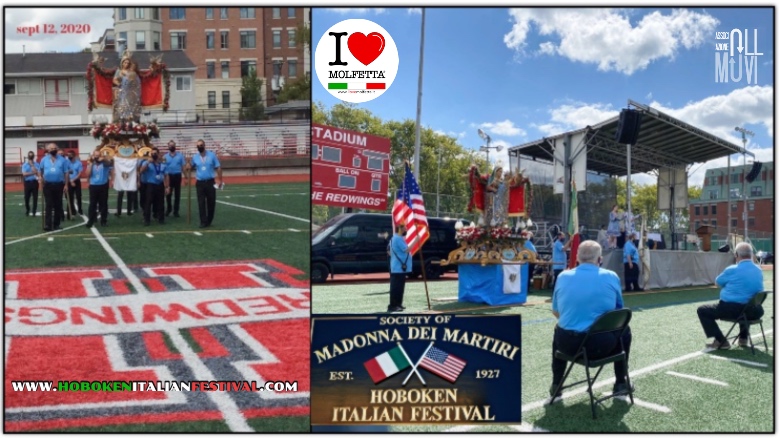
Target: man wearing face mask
[
  {"x": 97, "y": 172},
  {"x": 55, "y": 171},
  {"x": 206, "y": 164},
  {"x": 31, "y": 174},
  {"x": 156, "y": 187},
  {"x": 74, "y": 188},
  {"x": 174, "y": 162}
]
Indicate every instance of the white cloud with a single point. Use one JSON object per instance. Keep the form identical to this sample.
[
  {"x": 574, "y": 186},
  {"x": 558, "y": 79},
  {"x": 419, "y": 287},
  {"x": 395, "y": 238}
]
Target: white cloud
[
  {"x": 607, "y": 37},
  {"x": 500, "y": 157},
  {"x": 414, "y": 11},
  {"x": 99, "y": 19},
  {"x": 453, "y": 134},
  {"x": 357, "y": 11},
  {"x": 506, "y": 128},
  {"x": 575, "y": 115},
  {"x": 649, "y": 96}
]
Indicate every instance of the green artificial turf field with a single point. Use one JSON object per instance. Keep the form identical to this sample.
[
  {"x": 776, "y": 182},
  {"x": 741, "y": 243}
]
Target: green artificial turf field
[
  {"x": 667, "y": 338},
  {"x": 265, "y": 226}
]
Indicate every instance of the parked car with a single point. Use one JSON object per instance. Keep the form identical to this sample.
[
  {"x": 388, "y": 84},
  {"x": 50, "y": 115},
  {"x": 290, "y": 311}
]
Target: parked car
[{"x": 356, "y": 243}]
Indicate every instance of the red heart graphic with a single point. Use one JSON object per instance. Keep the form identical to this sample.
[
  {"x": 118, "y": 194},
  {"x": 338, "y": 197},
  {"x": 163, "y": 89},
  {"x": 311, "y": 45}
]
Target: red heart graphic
[{"x": 366, "y": 48}]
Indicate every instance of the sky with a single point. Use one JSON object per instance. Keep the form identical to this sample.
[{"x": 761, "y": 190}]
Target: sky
[
  {"x": 523, "y": 74},
  {"x": 98, "y": 19}
]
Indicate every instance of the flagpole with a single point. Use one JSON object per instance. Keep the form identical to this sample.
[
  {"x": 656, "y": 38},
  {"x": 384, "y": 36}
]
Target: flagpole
[
  {"x": 414, "y": 370},
  {"x": 425, "y": 280},
  {"x": 419, "y": 101}
]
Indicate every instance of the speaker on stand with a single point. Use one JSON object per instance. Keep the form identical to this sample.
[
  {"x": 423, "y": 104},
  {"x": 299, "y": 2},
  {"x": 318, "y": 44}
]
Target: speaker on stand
[{"x": 628, "y": 126}]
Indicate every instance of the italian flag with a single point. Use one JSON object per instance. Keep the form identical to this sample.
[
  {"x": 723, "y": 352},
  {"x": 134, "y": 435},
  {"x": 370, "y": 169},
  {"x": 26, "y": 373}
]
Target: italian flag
[
  {"x": 574, "y": 227},
  {"x": 356, "y": 86},
  {"x": 387, "y": 364}
]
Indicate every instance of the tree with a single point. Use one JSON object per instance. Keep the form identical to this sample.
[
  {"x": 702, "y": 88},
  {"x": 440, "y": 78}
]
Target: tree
[
  {"x": 299, "y": 89},
  {"x": 251, "y": 97},
  {"x": 303, "y": 35}
]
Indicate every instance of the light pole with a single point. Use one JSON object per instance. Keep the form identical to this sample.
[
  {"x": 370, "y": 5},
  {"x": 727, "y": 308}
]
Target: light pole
[
  {"x": 438, "y": 176},
  {"x": 486, "y": 148},
  {"x": 745, "y": 133}
]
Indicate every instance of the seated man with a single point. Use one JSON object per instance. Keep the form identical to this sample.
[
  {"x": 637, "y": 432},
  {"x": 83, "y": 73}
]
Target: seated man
[
  {"x": 740, "y": 282},
  {"x": 582, "y": 295}
]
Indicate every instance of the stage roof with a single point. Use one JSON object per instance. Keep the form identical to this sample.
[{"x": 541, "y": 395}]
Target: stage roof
[{"x": 664, "y": 141}]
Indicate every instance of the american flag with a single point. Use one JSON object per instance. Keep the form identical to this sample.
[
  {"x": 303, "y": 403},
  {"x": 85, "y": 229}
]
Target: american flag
[
  {"x": 410, "y": 209},
  {"x": 443, "y": 364}
]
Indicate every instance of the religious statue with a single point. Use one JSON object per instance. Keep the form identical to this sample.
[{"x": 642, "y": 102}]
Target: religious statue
[
  {"x": 127, "y": 92},
  {"x": 498, "y": 197}
]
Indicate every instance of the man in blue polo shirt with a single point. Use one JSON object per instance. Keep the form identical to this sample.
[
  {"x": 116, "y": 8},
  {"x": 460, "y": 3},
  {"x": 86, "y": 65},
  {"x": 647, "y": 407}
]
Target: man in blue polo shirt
[
  {"x": 31, "y": 173},
  {"x": 97, "y": 172},
  {"x": 55, "y": 171},
  {"x": 74, "y": 187},
  {"x": 631, "y": 264},
  {"x": 174, "y": 163},
  {"x": 206, "y": 165},
  {"x": 739, "y": 283},
  {"x": 529, "y": 245},
  {"x": 153, "y": 170},
  {"x": 582, "y": 295},
  {"x": 559, "y": 255}
]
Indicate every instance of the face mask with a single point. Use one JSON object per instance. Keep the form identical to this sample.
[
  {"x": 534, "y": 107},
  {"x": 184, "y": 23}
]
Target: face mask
[
  {"x": 71, "y": 157},
  {"x": 31, "y": 157},
  {"x": 201, "y": 148},
  {"x": 53, "y": 153},
  {"x": 154, "y": 156},
  {"x": 172, "y": 149}
]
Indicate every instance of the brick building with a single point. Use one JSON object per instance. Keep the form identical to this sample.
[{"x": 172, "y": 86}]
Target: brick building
[
  {"x": 284, "y": 58},
  {"x": 712, "y": 208}
]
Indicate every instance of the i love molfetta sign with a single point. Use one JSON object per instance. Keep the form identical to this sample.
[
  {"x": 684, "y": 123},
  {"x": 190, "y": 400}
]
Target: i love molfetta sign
[{"x": 415, "y": 369}]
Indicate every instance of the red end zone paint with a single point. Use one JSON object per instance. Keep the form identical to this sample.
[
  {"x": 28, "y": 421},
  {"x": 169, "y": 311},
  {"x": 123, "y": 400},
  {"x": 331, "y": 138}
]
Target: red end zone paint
[{"x": 50, "y": 347}]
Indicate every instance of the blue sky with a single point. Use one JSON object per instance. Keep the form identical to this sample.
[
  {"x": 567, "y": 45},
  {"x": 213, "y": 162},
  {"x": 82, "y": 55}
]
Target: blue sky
[{"x": 522, "y": 74}]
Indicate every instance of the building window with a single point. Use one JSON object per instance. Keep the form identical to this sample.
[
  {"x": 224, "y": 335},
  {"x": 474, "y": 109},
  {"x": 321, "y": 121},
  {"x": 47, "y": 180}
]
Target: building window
[
  {"x": 123, "y": 36},
  {"x": 714, "y": 210},
  {"x": 696, "y": 211},
  {"x": 32, "y": 86},
  {"x": 734, "y": 178},
  {"x": 291, "y": 38},
  {"x": 248, "y": 39},
  {"x": 223, "y": 13},
  {"x": 210, "y": 40},
  {"x": 9, "y": 87},
  {"x": 290, "y": 12},
  {"x": 156, "y": 40},
  {"x": 57, "y": 93},
  {"x": 178, "y": 40},
  {"x": 226, "y": 99},
  {"x": 751, "y": 206},
  {"x": 209, "y": 13},
  {"x": 155, "y": 13},
  {"x": 122, "y": 14},
  {"x": 292, "y": 68},
  {"x": 210, "y": 70},
  {"x": 714, "y": 223},
  {"x": 140, "y": 40},
  {"x": 247, "y": 12},
  {"x": 225, "y": 69},
  {"x": 714, "y": 194},
  {"x": 696, "y": 225},
  {"x": 139, "y": 13},
  {"x": 183, "y": 83},
  {"x": 755, "y": 191},
  {"x": 733, "y": 222},
  {"x": 223, "y": 39},
  {"x": 176, "y": 13},
  {"x": 734, "y": 193},
  {"x": 706, "y": 221},
  {"x": 277, "y": 68},
  {"x": 751, "y": 222},
  {"x": 212, "y": 99},
  {"x": 706, "y": 210},
  {"x": 733, "y": 207},
  {"x": 247, "y": 67},
  {"x": 277, "y": 39},
  {"x": 277, "y": 12}
]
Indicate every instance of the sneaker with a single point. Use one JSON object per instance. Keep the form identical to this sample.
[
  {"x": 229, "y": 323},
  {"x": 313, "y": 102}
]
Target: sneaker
[
  {"x": 89, "y": 224},
  {"x": 621, "y": 388},
  {"x": 743, "y": 342},
  {"x": 715, "y": 345}
]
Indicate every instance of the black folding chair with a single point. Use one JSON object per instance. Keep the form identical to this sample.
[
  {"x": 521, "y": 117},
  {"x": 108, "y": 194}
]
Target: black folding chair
[
  {"x": 757, "y": 300},
  {"x": 614, "y": 321}
]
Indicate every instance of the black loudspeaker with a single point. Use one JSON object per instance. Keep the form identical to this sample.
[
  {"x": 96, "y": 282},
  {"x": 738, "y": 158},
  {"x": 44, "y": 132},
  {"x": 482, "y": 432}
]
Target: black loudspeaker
[
  {"x": 628, "y": 126},
  {"x": 725, "y": 248},
  {"x": 754, "y": 172}
]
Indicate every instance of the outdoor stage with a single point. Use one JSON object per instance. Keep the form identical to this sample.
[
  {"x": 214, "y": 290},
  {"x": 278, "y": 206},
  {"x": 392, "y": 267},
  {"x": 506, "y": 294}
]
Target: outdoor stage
[{"x": 674, "y": 268}]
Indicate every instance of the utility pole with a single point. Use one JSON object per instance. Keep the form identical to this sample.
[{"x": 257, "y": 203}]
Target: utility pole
[{"x": 745, "y": 133}]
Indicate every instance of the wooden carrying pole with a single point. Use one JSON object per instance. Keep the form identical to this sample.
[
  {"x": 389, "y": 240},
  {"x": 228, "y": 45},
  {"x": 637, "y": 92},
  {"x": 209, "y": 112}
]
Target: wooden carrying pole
[
  {"x": 67, "y": 201},
  {"x": 189, "y": 195},
  {"x": 43, "y": 207},
  {"x": 425, "y": 280}
]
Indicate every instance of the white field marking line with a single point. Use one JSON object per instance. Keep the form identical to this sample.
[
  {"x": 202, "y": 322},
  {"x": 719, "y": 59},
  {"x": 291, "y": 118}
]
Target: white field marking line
[
  {"x": 264, "y": 211},
  {"x": 294, "y": 230},
  {"x": 107, "y": 238},
  {"x": 633, "y": 375},
  {"x": 48, "y": 232},
  {"x": 149, "y": 235},
  {"x": 197, "y": 233},
  {"x": 697, "y": 378},
  {"x": 460, "y": 428},
  {"x": 246, "y": 232},
  {"x": 746, "y": 362},
  {"x": 230, "y": 412},
  {"x": 50, "y": 239},
  {"x": 527, "y": 427},
  {"x": 643, "y": 403}
]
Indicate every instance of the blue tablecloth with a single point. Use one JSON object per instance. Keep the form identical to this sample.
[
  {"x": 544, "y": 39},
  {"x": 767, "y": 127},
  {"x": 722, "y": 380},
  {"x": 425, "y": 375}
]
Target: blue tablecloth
[{"x": 485, "y": 284}]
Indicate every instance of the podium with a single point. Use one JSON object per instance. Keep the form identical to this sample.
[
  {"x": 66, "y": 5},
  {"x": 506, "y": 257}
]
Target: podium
[
  {"x": 705, "y": 234},
  {"x": 486, "y": 284}
]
